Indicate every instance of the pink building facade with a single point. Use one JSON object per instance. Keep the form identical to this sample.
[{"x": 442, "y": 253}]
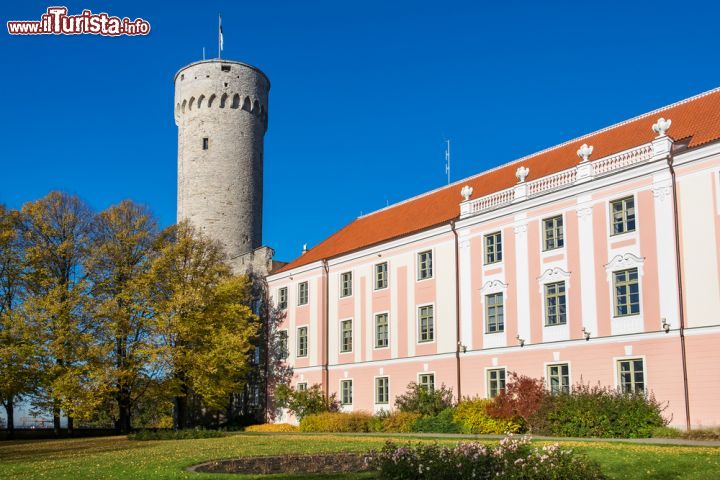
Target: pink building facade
[{"x": 594, "y": 261}]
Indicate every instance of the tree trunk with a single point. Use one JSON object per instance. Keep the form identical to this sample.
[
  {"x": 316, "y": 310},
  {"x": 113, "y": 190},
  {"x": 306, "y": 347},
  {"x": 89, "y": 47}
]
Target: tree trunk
[
  {"x": 123, "y": 399},
  {"x": 56, "y": 420},
  {"x": 70, "y": 426},
  {"x": 10, "y": 410}
]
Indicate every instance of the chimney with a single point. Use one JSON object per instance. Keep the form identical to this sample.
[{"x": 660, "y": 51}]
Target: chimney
[{"x": 304, "y": 250}]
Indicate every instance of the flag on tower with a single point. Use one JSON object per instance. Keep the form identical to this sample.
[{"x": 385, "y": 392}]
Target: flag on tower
[{"x": 220, "y": 36}]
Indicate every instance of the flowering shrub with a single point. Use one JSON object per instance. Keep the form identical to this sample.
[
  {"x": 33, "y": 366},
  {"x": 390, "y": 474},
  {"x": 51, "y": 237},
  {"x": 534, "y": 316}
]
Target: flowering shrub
[
  {"x": 471, "y": 416},
  {"x": 272, "y": 428},
  {"x": 337, "y": 422},
  {"x": 512, "y": 459}
]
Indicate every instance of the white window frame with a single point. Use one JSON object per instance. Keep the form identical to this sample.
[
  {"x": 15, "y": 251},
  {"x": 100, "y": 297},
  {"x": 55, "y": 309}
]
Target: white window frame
[
  {"x": 431, "y": 251},
  {"x": 352, "y": 335},
  {"x": 486, "y": 316},
  {"x": 375, "y": 396},
  {"x": 495, "y": 250},
  {"x": 547, "y": 366},
  {"x": 387, "y": 275},
  {"x": 616, "y": 368},
  {"x": 543, "y": 239},
  {"x": 545, "y": 303},
  {"x": 287, "y": 341},
  {"x": 280, "y": 303},
  {"x": 421, "y": 374},
  {"x": 342, "y": 392},
  {"x": 375, "y": 331},
  {"x": 487, "y": 378},
  {"x": 307, "y": 341},
  {"x": 307, "y": 293},
  {"x": 419, "y": 326},
  {"x": 301, "y": 386},
  {"x": 614, "y": 292},
  {"x": 609, "y": 212},
  {"x": 343, "y": 293}
]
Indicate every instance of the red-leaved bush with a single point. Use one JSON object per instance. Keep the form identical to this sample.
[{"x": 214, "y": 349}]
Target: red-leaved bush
[{"x": 522, "y": 397}]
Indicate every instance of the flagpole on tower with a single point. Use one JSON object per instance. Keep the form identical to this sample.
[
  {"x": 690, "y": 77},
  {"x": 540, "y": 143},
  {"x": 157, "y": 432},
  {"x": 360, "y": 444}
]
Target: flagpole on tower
[{"x": 220, "y": 36}]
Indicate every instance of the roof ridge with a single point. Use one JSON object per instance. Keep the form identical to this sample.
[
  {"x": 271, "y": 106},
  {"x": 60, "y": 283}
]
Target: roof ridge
[{"x": 548, "y": 149}]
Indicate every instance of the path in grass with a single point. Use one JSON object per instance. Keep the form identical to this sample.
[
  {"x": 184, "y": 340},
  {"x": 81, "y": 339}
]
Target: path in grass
[{"x": 120, "y": 458}]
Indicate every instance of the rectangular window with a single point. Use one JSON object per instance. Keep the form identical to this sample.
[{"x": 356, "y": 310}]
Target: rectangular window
[
  {"x": 381, "y": 330},
  {"x": 555, "y": 304},
  {"x": 495, "y": 381},
  {"x": 493, "y": 248},
  {"x": 205, "y": 143},
  {"x": 558, "y": 378},
  {"x": 622, "y": 215},
  {"x": 346, "y": 336},
  {"x": 425, "y": 267},
  {"x": 631, "y": 375},
  {"x": 282, "y": 298},
  {"x": 303, "y": 293},
  {"x": 494, "y": 313},
  {"x": 627, "y": 292},
  {"x": 426, "y": 323},
  {"x": 302, "y": 342},
  {"x": 427, "y": 380},
  {"x": 553, "y": 233},
  {"x": 301, "y": 387},
  {"x": 346, "y": 392},
  {"x": 283, "y": 344},
  {"x": 382, "y": 390},
  {"x": 381, "y": 276},
  {"x": 346, "y": 284}
]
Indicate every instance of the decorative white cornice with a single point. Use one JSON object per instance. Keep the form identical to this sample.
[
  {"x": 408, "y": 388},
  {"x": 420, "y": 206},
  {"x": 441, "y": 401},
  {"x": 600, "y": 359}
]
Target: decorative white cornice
[
  {"x": 622, "y": 262},
  {"x": 466, "y": 192},
  {"x": 551, "y": 275},
  {"x": 661, "y": 192},
  {"x": 492, "y": 286},
  {"x": 584, "y": 152},
  {"x": 661, "y": 126}
]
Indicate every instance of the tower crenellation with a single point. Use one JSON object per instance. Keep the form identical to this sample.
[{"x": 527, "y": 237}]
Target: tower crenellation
[{"x": 221, "y": 110}]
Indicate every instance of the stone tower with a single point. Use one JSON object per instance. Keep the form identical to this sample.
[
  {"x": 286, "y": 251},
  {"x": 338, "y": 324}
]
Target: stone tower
[{"x": 221, "y": 110}]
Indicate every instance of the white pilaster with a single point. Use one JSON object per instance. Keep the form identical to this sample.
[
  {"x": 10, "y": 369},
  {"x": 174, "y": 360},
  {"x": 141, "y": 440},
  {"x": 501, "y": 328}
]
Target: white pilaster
[
  {"x": 465, "y": 278},
  {"x": 587, "y": 263},
  {"x": 522, "y": 265},
  {"x": 665, "y": 238}
]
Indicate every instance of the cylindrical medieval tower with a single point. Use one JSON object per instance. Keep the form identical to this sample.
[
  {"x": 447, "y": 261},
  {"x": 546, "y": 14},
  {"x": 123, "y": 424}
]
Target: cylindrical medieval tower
[{"x": 221, "y": 110}]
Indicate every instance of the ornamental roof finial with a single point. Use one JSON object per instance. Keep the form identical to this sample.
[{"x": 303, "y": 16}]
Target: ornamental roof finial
[
  {"x": 521, "y": 173},
  {"x": 584, "y": 152},
  {"x": 466, "y": 192},
  {"x": 661, "y": 126}
]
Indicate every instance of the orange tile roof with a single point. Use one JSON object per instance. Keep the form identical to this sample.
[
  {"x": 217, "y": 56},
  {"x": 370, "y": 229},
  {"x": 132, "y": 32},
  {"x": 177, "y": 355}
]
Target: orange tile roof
[{"x": 696, "y": 119}]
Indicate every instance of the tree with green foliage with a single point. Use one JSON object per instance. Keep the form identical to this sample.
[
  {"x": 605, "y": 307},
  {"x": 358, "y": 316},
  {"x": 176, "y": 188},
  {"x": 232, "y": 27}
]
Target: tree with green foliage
[
  {"x": 57, "y": 230},
  {"x": 423, "y": 400},
  {"x": 17, "y": 349},
  {"x": 202, "y": 319},
  {"x": 121, "y": 252},
  {"x": 305, "y": 402}
]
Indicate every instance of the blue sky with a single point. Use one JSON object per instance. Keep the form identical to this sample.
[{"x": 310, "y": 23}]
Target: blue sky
[{"x": 363, "y": 95}]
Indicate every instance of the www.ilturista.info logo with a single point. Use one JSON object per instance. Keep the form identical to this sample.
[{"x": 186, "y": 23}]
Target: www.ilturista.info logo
[{"x": 56, "y": 21}]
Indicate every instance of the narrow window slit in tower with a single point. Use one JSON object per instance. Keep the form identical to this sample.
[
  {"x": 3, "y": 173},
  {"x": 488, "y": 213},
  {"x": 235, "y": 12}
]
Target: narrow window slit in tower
[
  {"x": 205, "y": 143},
  {"x": 225, "y": 68}
]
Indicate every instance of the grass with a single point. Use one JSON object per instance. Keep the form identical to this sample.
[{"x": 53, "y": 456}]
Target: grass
[{"x": 120, "y": 458}]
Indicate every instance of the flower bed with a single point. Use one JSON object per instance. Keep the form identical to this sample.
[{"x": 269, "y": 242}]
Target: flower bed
[{"x": 513, "y": 458}]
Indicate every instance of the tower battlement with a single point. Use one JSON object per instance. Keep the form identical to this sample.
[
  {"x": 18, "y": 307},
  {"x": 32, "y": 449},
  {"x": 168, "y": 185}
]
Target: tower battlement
[{"x": 221, "y": 111}]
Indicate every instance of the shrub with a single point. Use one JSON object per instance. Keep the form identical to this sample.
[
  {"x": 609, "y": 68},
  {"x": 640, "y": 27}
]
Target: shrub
[
  {"x": 400, "y": 422},
  {"x": 522, "y": 397},
  {"x": 272, "y": 427},
  {"x": 471, "y": 416},
  {"x": 336, "y": 422},
  {"x": 696, "y": 434},
  {"x": 186, "y": 434},
  {"x": 423, "y": 400},
  {"x": 443, "y": 422},
  {"x": 305, "y": 402},
  {"x": 599, "y": 412},
  {"x": 513, "y": 459}
]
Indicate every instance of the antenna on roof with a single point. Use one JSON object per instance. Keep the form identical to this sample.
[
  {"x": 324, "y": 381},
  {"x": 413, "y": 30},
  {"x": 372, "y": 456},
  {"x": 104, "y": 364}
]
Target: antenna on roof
[
  {"x": 447, "y": 160},
  {"x": 203, "y": 53}
]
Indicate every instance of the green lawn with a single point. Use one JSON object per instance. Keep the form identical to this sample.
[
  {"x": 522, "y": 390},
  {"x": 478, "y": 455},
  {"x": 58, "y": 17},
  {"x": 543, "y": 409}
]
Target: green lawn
[{"x": 120, "y": 458}]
